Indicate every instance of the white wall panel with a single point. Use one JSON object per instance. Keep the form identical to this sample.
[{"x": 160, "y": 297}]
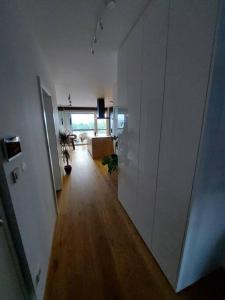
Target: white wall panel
[
  {"x": 204, "y": 248},
  {"x": 21, "y": 114},
  {"x": 163, "y": 78},
  {"x": 154, "y": 57},
  {"x": 190, "y": 42},
  {"x": 122, "y": 108},
  {"x": 129, "y": 169}
]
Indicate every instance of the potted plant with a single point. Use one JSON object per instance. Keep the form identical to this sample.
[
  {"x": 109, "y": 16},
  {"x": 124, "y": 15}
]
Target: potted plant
[
  {"x": 66, "y": 158},
  {"x": 63, "y": 139},
  {"x": 112, "y": 162}
]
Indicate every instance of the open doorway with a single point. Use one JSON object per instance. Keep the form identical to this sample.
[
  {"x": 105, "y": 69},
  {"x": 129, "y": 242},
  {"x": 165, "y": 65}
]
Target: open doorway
[{"x": 51, "y": 139}]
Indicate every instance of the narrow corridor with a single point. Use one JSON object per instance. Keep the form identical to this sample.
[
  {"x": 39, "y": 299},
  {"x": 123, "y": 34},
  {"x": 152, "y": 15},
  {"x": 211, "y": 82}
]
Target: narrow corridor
[{"x": 97, "y": 253}]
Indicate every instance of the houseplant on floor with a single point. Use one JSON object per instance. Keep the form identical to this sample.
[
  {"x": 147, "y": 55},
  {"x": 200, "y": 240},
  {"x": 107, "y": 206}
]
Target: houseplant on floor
[
  {"x": 64, "y": 139},
  {"x": 64, "y": 142},
  {"x": 66, "y": 158},
  {"x": 112, "y": 160}
]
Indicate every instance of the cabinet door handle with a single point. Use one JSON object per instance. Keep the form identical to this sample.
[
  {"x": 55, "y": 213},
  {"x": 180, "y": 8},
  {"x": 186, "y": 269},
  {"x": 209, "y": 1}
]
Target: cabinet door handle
[{"x": 1, "y": 222}]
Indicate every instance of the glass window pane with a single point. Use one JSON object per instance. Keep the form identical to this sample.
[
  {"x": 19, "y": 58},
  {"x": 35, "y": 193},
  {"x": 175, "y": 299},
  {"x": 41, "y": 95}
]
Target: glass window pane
[
  {"x": 82, "y": 122},
  {"x": 101, "y": 126},
  {"x": 83, "y": 125},
  {"x": 121, "y": 118}
]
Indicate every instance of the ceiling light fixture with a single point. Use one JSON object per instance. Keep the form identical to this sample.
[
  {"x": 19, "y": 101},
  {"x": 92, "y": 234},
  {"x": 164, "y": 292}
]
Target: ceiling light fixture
[
  {"x": 69, "y": 99},
  {"x": 95, "y": 40},
  {"x": 110, "y": 4},
  {"x": 106, "y": 4},
  {"x": 100, "y": 24}
]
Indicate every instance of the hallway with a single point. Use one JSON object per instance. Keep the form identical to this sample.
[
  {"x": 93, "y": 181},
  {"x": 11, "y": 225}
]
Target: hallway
[{"x": 97, "y": 254}]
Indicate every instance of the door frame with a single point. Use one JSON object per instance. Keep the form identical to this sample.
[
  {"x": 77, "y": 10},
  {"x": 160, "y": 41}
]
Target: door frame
[
  {"x": 10, "y": 220},
  {"x": 12, "y": 250},
  {"x": 42, "y": 88}
]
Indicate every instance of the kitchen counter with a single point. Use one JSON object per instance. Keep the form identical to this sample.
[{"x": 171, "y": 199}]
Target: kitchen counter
[{"x": 100, "y": 146}]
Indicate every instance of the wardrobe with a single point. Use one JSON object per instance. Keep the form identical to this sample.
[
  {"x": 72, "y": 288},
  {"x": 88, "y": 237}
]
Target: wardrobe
[{"x": 171, "y": 91}]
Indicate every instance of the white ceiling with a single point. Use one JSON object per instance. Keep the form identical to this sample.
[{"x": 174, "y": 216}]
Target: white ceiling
[{"x": 64, "y": 29}]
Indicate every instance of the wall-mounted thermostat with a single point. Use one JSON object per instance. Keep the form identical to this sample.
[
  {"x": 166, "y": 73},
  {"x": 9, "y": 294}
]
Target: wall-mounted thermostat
[{"x": 12, "y": 147}]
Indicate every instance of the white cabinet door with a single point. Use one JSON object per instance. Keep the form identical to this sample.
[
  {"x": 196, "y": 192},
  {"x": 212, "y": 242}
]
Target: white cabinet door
[
  {"x": 153, "y": 74},
  {"x": 122, "y": 129},
  {"x": 204, "y": 247},
  {"x": 129, "y": 167},
  {"x": 190, "y": 41},
  {"x": 122, "y": 77},
  {"x": 10, "y": 278}
]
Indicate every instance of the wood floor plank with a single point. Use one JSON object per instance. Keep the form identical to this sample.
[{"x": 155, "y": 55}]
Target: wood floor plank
[{"x": 97, "y": 253}]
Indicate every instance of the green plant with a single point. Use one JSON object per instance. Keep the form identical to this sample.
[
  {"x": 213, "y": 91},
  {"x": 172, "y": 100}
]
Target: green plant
[
  {"x": 66, "y": 156},
  {"x": 112, "y": 162},
  {"x": 63, "y": 139}
]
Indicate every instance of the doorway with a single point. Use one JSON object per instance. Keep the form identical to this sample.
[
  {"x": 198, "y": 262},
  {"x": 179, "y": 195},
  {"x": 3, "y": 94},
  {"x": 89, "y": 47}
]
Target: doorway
[{"x": 51, "y": 139}]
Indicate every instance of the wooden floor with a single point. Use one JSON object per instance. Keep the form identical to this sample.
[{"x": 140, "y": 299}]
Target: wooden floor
[{"x": 97, "y": 253}]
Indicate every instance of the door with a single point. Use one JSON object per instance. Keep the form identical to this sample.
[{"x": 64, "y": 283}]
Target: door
[
  {"x": 50, "y": 126},
  {"x": 11, "y": 281},
  {"x": 51, "y": 140}
]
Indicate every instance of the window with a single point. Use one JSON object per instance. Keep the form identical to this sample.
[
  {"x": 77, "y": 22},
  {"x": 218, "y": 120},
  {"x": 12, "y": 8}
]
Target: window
[
  {"x": 101, "y": 126},
  {"x": 83, "y": 123},
  {"x": 120, "y": 124},
  {"x": 111, "y": 123}
]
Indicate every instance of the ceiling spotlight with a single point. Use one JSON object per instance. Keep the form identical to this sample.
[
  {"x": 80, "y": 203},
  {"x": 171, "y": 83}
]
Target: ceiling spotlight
[
  {"x": 69, "y": 99},
  {"x": 110, "y": 4},
  {"x": 95, "y": 39},
  {"x": 100, "y": 24}
]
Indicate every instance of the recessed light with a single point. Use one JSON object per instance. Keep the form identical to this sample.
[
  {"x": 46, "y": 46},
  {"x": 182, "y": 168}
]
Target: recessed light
[
  {"x": 95, "y": 39},
  {"x": 100, "y": 24},
  {"x": 110, "y": 4}
]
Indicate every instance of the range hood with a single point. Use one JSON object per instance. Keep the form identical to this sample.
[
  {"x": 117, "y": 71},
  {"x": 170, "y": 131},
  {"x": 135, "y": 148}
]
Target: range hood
[{"x": 101, "y": 108}]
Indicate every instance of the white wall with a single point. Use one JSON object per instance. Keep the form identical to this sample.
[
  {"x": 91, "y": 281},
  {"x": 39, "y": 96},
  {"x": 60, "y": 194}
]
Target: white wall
[{"x": 21, "y": 114}]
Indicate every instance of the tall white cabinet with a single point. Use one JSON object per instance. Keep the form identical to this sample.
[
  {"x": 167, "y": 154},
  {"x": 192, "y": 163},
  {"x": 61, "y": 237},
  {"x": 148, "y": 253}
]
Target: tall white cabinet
[
  {"x": 130, "y": 91},
  {"x": 168, "y": 69},
  {"x": 155, "y": 32}
]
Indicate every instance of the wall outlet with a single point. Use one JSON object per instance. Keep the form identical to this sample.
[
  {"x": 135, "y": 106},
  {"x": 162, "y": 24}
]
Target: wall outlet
[{"x": 38, "y": 275}]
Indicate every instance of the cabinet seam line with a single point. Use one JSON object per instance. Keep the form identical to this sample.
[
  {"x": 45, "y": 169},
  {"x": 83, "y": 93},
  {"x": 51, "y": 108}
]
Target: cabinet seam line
[{"x": 161, "y": 123}]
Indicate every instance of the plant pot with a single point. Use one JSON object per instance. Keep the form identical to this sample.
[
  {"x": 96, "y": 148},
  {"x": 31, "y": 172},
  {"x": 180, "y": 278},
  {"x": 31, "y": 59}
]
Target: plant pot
[{"x": 68, "y": 169}]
